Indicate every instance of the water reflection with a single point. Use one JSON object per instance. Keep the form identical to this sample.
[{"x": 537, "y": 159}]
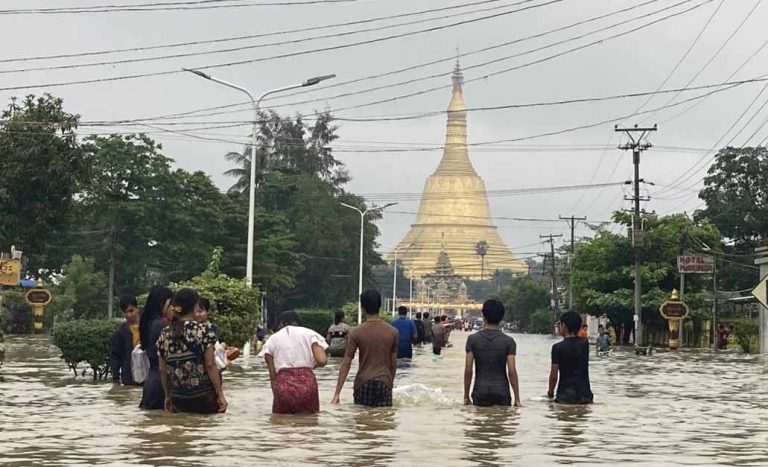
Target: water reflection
[{"x": 488, "y": 432}]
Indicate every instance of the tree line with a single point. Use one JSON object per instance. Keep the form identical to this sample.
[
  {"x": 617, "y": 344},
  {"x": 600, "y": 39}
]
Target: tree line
[{"x": 114, "y": 209}]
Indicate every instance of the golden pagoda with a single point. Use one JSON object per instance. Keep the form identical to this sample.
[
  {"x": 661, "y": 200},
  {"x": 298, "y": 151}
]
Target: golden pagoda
[{"x": 454, "y": 216}]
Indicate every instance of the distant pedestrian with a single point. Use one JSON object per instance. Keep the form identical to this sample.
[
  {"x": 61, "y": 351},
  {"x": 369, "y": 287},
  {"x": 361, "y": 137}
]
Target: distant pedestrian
[
  {"x": 377, "y": 342},
  {"x": 420, "y": 330},
  {"x": 603, "y": 344},
  {"x": 125, "y": 338},
  {"x": 448, "y": 328},
  {"x": 291, "y": 353},
  {"x": 570, "y": 364},
  {"x": 492, "y": 353},
  {"x": 428, "y": 323},
  {"x": 611, "y": 332},
  {"x": 188, "y": 371},
  {"x": 722, "y": 336},
  {"x": 406, "y": 331},
  {"x": 337, "y": 335},
  {"x": 438, "y": 336},
  {"x": 154, "y": 318}
]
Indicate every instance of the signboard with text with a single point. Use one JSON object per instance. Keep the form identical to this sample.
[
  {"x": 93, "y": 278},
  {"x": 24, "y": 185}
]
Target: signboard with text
[
  {"x": 10, "y": 271},
  {"x": 695, "y": 264}
]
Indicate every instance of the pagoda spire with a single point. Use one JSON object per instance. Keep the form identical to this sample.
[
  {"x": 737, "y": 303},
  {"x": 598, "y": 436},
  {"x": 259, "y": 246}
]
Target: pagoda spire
[{"x": 455, "y": 159}]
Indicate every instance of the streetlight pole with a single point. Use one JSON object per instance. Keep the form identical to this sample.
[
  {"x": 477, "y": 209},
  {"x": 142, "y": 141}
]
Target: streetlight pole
[
  {"x": 362, "y": 232},
  {"x": 255, "y": 102}
]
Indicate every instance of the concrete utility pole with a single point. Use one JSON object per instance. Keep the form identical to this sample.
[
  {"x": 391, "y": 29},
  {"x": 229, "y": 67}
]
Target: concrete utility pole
[
  {"x": 637, "y": 144},
  {"x": 555, "y": 298},
  {"x": 572, "y": 222}
]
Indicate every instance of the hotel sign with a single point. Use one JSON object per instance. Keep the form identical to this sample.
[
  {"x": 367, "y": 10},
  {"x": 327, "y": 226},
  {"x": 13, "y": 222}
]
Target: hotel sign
[{"x": 695, "y": 264}]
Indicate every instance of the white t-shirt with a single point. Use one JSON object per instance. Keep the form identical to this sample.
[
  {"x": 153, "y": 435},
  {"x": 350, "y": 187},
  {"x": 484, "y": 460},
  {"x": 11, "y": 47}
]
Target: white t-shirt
[{"x": 291, "y": 347}]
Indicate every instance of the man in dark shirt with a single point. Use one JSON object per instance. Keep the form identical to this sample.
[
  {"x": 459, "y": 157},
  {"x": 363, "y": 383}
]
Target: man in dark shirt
[
  {"x": 492, "y": 353},
  {"x": 377, "y": 342},
  {"x": 570, "y": 364},
  {"x": 419, "y": 329},
  {"x": 125, "y": 338}
]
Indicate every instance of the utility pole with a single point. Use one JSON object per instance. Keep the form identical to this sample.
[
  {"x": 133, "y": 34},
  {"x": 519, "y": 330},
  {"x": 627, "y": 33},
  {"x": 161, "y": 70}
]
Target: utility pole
[
  {"x": 637, "y": 144},
  {"x": 555, "y": 297},
  {"x": 572, "y": 222}
]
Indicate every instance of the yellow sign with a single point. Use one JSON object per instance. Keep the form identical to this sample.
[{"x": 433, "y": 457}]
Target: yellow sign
[{"x": 10, "y": 271}]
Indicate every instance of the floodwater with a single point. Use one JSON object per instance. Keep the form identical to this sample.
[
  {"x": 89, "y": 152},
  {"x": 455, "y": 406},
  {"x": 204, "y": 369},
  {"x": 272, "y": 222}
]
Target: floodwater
[{"x": 686, "y": 408}]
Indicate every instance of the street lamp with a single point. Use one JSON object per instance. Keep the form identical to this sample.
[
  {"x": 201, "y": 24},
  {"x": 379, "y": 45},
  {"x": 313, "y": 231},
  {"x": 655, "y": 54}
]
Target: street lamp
[
  {"x": 252, "y": 183},
  {"x": 362, "y": 227},
  {"x": 394, "y": 277}
]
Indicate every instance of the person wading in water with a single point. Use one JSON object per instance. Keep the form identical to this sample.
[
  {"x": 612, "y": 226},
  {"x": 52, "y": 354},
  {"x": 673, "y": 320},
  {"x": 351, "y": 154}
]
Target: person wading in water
[
  {"x": 155, "y": 317},
  {"x": 291, "y": 353},
  {"x": 337, "y": 335},
  {"x": 188, "y": 371},
  {"x": 377, "y": 342},
  {"x": 570, "y": 364},
  {"x": 492, "y": 353}
]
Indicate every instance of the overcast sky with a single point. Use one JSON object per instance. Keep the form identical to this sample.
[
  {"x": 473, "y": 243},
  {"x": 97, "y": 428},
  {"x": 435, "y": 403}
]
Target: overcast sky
[{"x": 636, "y": 62}]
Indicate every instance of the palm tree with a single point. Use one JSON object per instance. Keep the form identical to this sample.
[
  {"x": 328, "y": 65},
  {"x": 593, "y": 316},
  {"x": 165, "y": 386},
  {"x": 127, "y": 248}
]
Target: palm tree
[{"x": 241, "y": 171}]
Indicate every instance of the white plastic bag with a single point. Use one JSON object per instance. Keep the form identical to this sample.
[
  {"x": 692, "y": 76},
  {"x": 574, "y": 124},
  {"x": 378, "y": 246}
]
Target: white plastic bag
[
  {"x": 220, "y": 353},
  {"x": 139, "y": 364}
]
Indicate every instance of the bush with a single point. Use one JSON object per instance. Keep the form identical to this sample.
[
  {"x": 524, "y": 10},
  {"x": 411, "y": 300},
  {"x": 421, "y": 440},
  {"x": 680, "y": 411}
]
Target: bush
[
  {"x": 746, "y": 333},
  {"x": 85, "y": 341},
  {"x": 540, "y": 322},
  {"x": 317, "y": 320},
  {"x": 234, "y": 306},
  {"x": 17, "y": 316}
]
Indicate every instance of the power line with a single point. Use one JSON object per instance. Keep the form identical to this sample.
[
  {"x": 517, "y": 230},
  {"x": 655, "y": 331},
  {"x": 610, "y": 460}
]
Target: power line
[
  {"x": 717, "y": 52},
  {"x": 253, "y": 46},
  {"x": 525, "y": 65},
  {"x": 287, "y": 54},
  {"x": 406, "y": 69},
  {"x": 237, "y": 38},
  {"x": 162, "y": 6}
]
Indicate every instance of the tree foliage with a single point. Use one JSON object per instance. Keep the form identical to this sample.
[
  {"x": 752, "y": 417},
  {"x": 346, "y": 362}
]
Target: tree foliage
[
  {"x": 43, "y": 167},
  {"x": 522, "y": 298},
  {"x": 81, "y": 290},
  {"x": 234, "y": 306},
  {"x": 603, "y": 271}
]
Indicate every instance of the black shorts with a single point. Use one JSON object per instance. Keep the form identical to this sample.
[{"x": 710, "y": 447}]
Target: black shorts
[
  {"x": 374, "y": 393},
  {"x": 436, "y": 349},
  {"x": 487, "y": 400}
]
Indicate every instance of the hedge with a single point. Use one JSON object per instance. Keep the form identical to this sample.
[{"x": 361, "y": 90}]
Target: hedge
[
  {"x": 85, "y": 341},
  {"x": 234, "y": 306},
  {"x": 317, "y": 320}
]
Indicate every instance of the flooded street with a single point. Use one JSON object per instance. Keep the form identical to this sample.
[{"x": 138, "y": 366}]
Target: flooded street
[{"x": 689, "y": 408}]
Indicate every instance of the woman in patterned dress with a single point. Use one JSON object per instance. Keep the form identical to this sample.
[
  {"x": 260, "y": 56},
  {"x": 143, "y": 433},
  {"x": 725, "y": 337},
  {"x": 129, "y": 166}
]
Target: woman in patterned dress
[
  {"x": 291, "y": 353},
  {"x": 191, "y": 380}
]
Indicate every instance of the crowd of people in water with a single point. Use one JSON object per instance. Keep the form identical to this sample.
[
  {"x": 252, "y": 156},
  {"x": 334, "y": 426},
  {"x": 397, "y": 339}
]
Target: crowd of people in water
[{"x": 186, "y": 355}]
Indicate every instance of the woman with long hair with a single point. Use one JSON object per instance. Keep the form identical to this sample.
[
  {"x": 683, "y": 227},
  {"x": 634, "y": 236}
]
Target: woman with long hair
[
  {"x": 155, "y": 316},
  {"x": 188, "y": 371},
  {"x": 291, "y": 353}
]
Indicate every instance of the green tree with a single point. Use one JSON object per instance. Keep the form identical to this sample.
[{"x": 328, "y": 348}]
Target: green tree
[
  {"x": 736, "y": 196},
  {"x": 158, "y": 224},
  {"x": 82, "y": 290},
  {"x": 522, "y": 298},
  {"x": 43, "y": 167},
  {"x": 287, "y": 144},
  {"x": 603, "y": 268}
]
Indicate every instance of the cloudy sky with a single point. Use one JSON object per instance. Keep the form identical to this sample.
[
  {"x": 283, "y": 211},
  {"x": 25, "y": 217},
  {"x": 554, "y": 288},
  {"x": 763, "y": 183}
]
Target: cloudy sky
[{"x": 540, "y": 51}]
